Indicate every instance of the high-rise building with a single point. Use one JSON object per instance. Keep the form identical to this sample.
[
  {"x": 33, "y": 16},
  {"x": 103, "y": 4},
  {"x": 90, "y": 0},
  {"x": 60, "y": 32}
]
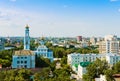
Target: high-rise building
[
  {"x": 27, "y": 39},
  {"x": 109, "y": 45},
  {"x": 93, "y": 40},
  {"x": 79, "y": 38}
]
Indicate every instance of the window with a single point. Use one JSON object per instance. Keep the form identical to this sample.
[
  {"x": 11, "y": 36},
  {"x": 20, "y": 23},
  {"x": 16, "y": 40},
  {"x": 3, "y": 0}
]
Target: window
[
  {"x": 21, "y": 61},
  {"x": 25, "y": 66},
  {"x": 44, "y": 49},
  {"x": 21, "y": 57},
  {"x": 25, "y": 57},
  {"x": 25, "y": 62},
  {"x": 17, "y": 57},
  {"x": 18, "y": 62}
]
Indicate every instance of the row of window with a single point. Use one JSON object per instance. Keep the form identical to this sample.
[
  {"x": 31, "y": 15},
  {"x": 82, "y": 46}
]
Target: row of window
[
  {"x": 22, "y": 62},
  {"x": 42, "y": 49},
  {"x": 21, "y": 57},
  {"x": 21, "y": 66}
]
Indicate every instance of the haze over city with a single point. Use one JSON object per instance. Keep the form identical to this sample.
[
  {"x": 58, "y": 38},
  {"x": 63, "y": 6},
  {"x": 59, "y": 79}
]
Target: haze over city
[{"x": 60, "y": 18}]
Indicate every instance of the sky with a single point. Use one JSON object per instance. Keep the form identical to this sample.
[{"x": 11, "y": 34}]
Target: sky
[{"x": 60, "y": 18}]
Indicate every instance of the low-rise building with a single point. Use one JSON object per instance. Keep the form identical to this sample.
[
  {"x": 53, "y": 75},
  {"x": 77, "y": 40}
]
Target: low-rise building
[
  {"x": 82, "y": 68},
  {"x": 1, "y": 45},
  {"x": 45, "y": 52},
  {"x": 112, "y": 58},
  {"x": 23, "y": 59},
  {"x": 76, "y": 58}
]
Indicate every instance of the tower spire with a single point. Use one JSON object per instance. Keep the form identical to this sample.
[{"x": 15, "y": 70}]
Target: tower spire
[{"x": 27, "y": 38}]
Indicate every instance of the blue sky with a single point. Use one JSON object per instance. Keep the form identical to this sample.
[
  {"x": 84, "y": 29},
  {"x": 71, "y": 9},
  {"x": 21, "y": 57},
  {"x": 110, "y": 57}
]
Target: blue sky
[{"x": 60, "y": 18}]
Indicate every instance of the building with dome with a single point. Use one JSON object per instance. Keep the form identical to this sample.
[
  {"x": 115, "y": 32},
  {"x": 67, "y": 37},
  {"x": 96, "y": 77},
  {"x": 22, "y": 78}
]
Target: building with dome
[{"x": 43, "y": 51}]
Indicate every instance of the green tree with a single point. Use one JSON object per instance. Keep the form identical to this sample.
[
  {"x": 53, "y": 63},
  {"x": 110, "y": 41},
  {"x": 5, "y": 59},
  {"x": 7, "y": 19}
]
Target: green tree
[
  {"x": 95, "y": 69},
  {"x": 109, "y": 75},
  {"x": 116, "y": 68}
]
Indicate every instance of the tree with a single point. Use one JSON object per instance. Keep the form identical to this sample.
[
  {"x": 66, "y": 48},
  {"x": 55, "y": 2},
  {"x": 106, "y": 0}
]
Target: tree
[
  {"x": 95, "y": 69},
  {"x": 16, "y": 75},
  {"x": 42, "y": 62},
  {"x": 109, "y": 75},
  {"x": 116, "y": 67},
  {"x": 59, "y": 52}
]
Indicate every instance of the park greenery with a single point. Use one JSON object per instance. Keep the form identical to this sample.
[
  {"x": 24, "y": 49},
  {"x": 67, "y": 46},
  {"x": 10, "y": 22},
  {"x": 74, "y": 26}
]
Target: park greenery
[
  {"x": 60, "y": 52},
  {"x": 101, "y": 67}
]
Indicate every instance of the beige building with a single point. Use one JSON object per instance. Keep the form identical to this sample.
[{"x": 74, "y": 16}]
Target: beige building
[{"x": 109, "y": 45}]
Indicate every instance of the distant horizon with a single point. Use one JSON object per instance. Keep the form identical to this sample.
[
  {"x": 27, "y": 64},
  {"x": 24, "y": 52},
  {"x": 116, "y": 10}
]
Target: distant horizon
[{"x": 60, "y": 18}]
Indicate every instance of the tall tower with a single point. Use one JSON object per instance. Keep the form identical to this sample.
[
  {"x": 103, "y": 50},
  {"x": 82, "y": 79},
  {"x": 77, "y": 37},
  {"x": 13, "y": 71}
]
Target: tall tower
[{"x": 27, "y": 39}]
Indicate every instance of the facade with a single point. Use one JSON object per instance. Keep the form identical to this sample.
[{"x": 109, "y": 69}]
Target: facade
[
  {"x": 84, "y": 44},
  {"x": 79, "y": 38},
  {"x": 27, "y": 39},
  {"x": 112, "y": 58},
  {"x": 82, "y": 68},
  {"x": 43, "y": 51},
  {"x": 75, "y": 68},
  {"x": 79, "y": 62},
  {"x": 23, "y": 59},
  {"x": 110, "y": 38},
  {"x": 74, "y": 58},
  {"x": 109, "y": 45},
  {"x": 93, "y": 40},
  {"x": 1, "y": 44}
]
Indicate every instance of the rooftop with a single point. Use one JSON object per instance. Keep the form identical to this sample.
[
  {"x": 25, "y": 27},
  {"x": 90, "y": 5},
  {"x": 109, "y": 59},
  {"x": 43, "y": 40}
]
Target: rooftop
[
  {"x": 84, "y": 64},
  {"x": 76, "y": 65},
  {"x": 24, "y": 52}
]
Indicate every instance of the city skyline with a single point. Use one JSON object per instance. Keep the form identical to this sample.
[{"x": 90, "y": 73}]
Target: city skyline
[{"x": 60, "y": 18}]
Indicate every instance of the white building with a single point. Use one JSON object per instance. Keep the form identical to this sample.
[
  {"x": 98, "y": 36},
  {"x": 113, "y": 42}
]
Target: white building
[
  {"x": 109, "y": 45},
  {"x": 110, "y": 38},
  {"x": 112, "y": 58},
  {"x": 79, "y": 62},
  {"x": 93, "y": 40},
  {"x": 82, "y": 68},
  {"x": 74, "y": 58}
]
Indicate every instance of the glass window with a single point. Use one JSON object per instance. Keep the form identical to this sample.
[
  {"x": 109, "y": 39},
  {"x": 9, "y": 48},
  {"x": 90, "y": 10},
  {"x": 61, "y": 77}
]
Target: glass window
[
  {"x": 18, "y": 62},
  {"x": 21, "y": 57},
  {"x": 25, "y": 61},
  {"x": 25, "y": 66},
  {"x": 21, "y": 61}
]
